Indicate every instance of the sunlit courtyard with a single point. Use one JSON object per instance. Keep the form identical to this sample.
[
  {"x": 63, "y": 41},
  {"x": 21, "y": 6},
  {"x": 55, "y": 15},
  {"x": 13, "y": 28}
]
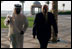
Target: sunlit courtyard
[
  {"x": 64, "y": 34},
  {"x": 30, "y": 9}
]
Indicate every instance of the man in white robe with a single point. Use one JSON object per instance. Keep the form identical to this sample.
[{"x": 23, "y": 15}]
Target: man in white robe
[{"x": 18, "y": 24}]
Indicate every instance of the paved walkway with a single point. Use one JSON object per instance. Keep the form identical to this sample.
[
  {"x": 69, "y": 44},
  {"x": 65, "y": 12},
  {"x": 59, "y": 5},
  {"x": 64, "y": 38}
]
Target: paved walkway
[{"x": 64, "y": 28}]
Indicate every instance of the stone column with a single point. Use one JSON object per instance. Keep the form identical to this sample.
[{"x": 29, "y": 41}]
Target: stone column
[
  {"x": 31, "y": 10},
  {"x": 55, "y": 12}
]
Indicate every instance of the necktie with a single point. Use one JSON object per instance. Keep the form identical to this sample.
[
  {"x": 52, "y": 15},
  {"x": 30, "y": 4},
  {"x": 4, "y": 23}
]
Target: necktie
[{"x": 46, "y": 17}]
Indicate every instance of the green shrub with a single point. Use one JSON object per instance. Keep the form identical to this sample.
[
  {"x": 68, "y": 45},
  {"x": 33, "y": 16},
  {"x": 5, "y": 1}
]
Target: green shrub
[
  {"x": 65, "y": 12},
  {"x": 30, "y": 21}
]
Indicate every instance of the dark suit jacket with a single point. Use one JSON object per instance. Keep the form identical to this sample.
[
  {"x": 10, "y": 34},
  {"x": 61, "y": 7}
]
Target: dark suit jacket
[{"x": 42, "y": 28}]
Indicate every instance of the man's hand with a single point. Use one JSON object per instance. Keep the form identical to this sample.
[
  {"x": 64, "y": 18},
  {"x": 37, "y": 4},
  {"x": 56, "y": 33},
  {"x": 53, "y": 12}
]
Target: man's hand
[
  {"x": 8, "y": 21},
  {"x": 22, "y": 32},
  {"x": 34, "y": 36}
]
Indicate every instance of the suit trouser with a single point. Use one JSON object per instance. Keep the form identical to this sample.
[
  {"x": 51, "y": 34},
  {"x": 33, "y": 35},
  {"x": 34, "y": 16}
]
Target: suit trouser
[
  {"x": 43, "y": 43},
  {"x": 16, "y": 41}
]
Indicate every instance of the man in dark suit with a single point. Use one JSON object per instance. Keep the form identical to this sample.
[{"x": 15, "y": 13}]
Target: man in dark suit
[{"x": 42, "y": 26}]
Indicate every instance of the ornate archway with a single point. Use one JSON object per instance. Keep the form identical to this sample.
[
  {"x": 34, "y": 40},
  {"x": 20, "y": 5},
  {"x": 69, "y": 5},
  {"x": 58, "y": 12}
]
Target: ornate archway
[{"x": 36, "y": 4}]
